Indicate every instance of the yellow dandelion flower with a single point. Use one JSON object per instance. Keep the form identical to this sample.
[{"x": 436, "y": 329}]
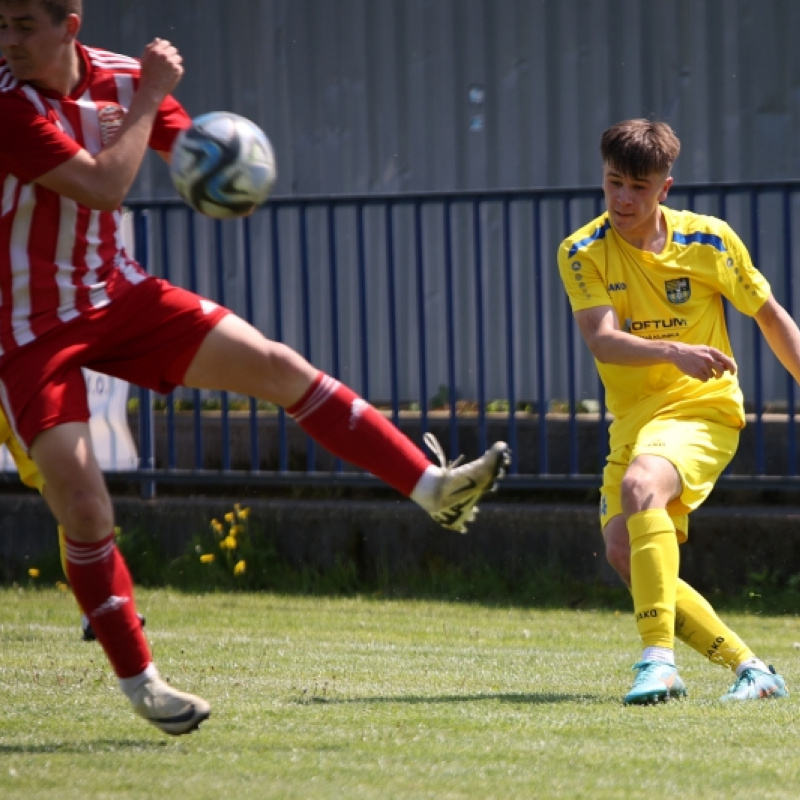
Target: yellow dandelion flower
[
  {"x": 228, "y": 543},
  {"x": 242, "y": 513},
  {"x": 33, "y": 572},
  {"x": 216, "y": 526},
  {"x": 230, "y": 517},
  {"x": 207, "y": 558},
  {"x": 236, "y": 530},
  {"x": 61, "y": 586},
  {"x": 240, "y": 568}
]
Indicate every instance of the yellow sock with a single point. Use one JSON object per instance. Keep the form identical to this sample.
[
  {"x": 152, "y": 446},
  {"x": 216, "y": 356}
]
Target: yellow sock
[
  {"x": 654, "y": 576},
  {"x": 697, "y": 624},
  {"x": 62, "y": 549}
]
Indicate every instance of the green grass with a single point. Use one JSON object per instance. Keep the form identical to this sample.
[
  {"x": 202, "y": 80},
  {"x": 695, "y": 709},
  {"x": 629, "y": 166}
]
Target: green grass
[{"x": 366, "y": 698}]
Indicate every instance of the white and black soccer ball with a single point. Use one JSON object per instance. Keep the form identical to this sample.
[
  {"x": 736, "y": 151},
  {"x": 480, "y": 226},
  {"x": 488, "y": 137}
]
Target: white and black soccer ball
[{"x": 223, "y": 165}]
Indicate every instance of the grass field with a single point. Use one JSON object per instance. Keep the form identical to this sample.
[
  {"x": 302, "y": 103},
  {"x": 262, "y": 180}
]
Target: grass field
[{"x": 369, "y": 698}]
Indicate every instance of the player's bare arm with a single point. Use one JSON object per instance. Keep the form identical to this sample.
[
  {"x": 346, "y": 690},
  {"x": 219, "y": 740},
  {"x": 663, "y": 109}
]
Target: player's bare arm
[
  {"x": 102, "y": 181},
  {"x": 782, "y": 335},
  {"x": 609, "y": 344}
]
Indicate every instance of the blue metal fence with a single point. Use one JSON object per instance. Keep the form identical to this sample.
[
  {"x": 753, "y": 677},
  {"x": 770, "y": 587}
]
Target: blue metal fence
[{"x": 447, "y": 311}]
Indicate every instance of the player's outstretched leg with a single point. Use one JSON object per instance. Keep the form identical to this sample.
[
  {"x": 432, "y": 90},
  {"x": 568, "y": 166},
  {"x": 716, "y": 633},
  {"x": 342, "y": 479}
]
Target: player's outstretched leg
[
  {"x": 459, "y": 488},
  {"x": 699, "y": 626},
  {"x": 753, "y": 683},
  {"x": 352, "y": 429}
]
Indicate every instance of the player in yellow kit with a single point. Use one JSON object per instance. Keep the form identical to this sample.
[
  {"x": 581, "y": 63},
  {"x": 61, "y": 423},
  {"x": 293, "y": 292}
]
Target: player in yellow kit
[
  {"x": 30, "y": 476},
  {"x": 28, "y": 473},
  {"x": 646, "y": 284}
]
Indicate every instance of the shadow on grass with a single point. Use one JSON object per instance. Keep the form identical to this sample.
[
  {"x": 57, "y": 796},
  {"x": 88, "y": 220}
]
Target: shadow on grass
[
  {"x": 93, "y": 746},
  {"x": 528, "y": 699}
]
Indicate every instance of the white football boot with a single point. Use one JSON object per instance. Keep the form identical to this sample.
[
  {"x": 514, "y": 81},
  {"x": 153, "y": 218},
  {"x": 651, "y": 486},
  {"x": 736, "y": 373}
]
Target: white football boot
[{"x": 461, "y": 487}]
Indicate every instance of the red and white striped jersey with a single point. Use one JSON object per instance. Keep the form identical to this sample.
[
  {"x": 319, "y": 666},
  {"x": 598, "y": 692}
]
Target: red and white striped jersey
[{"x": 58, "y": 258}]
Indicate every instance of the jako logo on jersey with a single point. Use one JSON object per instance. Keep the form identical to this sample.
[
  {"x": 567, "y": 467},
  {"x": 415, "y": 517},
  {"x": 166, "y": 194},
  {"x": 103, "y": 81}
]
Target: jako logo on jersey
[
  {"x": 678, "y": 290},
  {"x": 110, "y": 117},
  {"x": 617, "y": 287},
  {"x": 657, "y": 324}
]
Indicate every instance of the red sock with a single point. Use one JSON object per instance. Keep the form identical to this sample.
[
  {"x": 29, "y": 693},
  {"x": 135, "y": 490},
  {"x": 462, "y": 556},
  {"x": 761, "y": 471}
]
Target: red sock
[
  {"x": 103, "y": 588},
  {"x": 352, "y": 429}
]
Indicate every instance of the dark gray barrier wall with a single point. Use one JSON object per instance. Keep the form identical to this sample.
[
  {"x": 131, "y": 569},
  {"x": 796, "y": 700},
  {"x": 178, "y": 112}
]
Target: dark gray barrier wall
[{"x": 393, "y": 538}]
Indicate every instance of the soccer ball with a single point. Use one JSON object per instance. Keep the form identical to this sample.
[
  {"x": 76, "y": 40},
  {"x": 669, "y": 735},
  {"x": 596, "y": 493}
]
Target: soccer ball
[{"x": 223, "y": 165}]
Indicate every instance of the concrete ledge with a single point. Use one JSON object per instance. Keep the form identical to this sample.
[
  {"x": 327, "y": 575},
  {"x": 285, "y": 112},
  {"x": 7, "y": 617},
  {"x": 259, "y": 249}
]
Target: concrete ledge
[{"x": 726, "y": 547}]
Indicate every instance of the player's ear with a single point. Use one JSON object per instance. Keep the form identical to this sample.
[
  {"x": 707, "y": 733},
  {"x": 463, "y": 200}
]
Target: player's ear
[
  {"x": 73, "y": 23},
  {"x": 662, "y": 195}
]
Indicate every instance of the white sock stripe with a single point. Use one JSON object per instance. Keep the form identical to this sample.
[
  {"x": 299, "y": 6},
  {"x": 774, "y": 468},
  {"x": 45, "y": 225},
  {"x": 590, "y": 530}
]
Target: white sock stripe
[
  {"x": 326, "y": 388},
  {"x": 82, "y": 556}
]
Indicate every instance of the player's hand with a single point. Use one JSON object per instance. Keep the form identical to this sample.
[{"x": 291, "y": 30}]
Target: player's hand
[
  {"x": 703, "y": 362},
  {"x": 162, "y": 68}
]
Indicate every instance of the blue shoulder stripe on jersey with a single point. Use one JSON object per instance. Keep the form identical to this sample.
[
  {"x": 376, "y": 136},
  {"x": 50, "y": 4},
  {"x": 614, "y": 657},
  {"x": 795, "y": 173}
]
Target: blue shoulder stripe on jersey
[
  {"x": 699, "y": 238},
  {"x": 599, "y": 233}
]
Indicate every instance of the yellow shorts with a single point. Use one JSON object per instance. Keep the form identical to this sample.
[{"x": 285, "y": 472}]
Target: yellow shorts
[{"x": 698, "y": 449}]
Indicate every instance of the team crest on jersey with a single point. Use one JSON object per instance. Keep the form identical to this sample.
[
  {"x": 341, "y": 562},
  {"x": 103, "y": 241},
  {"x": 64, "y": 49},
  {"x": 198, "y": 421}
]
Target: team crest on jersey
[
  {"x": 110, "y": 116},
  {"x": 678, "y": 290}
]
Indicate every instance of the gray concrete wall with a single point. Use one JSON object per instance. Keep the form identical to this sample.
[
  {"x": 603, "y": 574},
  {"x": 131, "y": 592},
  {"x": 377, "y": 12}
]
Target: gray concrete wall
[
  {"x": 727, "y": 544},
  {"x": 517, "y": 532}
]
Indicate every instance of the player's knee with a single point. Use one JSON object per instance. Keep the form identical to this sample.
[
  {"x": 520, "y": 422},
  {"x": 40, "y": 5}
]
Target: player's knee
[
  {"x": 636, "y": 490},
  {"x": 86, "y": 515}
]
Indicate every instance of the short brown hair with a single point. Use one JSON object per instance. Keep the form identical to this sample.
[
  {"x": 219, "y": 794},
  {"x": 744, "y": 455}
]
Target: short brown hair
[
  {"x": 640, "y": 147},
  {"x": 57, "y": 10}
]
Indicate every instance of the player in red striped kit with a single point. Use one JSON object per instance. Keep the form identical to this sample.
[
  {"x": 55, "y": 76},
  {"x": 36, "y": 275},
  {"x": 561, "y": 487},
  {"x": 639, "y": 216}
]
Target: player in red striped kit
[{"x": 76, "y": 123}]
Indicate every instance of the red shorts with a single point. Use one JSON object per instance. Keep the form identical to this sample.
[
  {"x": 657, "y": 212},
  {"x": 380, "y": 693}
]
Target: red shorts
[{"x": 147, "y": 336}]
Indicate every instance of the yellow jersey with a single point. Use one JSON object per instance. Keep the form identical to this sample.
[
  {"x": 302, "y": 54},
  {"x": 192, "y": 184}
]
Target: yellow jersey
[{"x": 675, "y": 294}]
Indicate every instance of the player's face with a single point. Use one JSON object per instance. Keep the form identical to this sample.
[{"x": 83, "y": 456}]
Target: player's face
[
  {"x": 633, "y": 203},
  {"x": 34, "y": 47}
]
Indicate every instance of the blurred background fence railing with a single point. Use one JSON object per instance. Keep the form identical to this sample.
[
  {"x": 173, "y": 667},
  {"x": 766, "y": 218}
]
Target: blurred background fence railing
[{"x": 447, "y": 312}]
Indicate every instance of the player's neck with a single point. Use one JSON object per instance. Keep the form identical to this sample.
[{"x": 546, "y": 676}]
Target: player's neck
[{"x": 650, "y": 237}]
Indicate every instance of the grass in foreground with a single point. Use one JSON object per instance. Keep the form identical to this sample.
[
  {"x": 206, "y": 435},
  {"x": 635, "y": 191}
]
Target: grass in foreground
[{"x": 361, "y": 698}]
